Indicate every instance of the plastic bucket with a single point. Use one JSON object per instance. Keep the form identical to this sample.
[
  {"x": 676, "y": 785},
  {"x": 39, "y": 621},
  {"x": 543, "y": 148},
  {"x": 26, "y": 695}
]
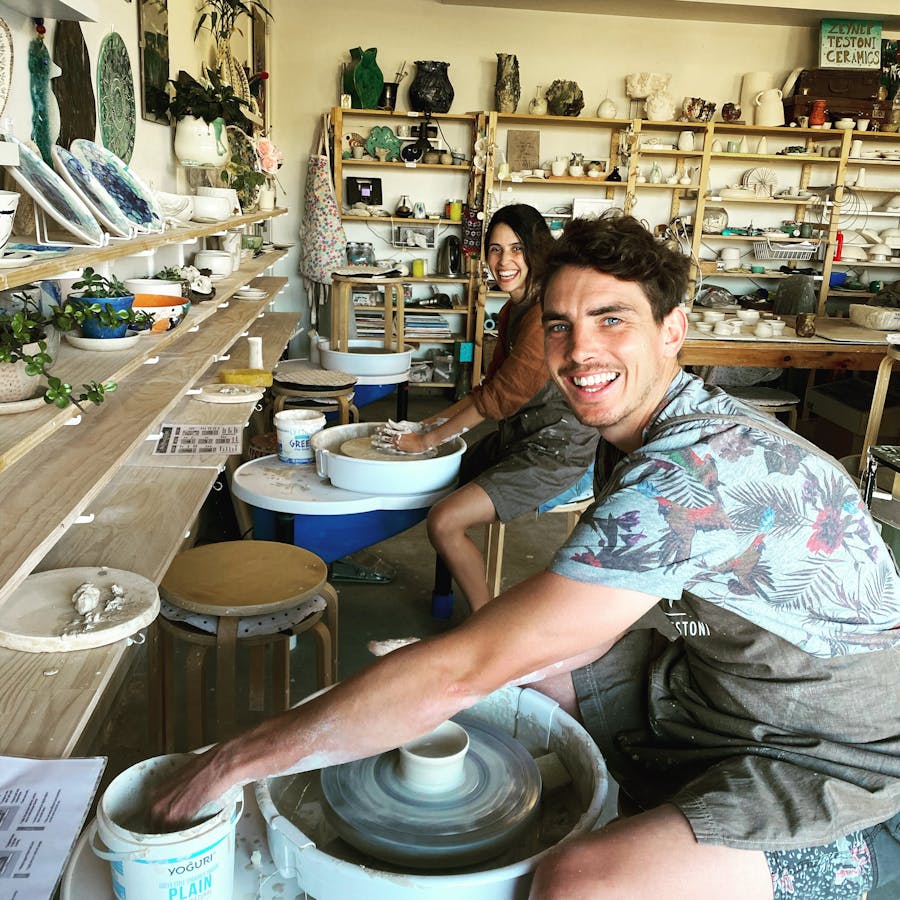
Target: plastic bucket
[
  {"x": 197, "y": 862},
  {"x": 294, "y": 428}
]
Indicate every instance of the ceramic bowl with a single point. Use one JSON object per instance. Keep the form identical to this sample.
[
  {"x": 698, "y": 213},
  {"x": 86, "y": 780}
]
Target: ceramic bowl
[
  {"x": 229, "y": 194},
  {"x": 166, "y": 314},
  {"x": 748, "y": 316},
  {"x": 143, "y": 286},
  {"x": 713, "y": 315},
  {"x": 219, "y": 262},
  {"x": 845, "y": 124},
  {"x": 704, "y": 326},
  {"x": 211, "y": 208}
]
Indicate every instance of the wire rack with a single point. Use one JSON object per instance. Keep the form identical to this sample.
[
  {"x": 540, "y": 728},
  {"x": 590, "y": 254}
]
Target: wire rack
[{"x": 767, "y": 249}]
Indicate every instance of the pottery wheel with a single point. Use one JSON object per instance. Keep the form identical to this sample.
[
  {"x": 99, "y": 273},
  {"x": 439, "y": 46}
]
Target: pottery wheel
[
  {"x": 373, "y": 810},
  {"x": 361, "y": 448}
]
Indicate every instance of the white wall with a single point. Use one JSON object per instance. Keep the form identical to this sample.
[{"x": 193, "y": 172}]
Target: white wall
[{"x": 311, "y": 39}]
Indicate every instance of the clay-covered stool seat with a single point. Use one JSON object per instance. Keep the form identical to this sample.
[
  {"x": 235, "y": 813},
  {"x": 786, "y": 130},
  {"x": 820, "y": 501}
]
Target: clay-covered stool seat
[
  {"x": 257, "y": 594},
  {"x": 300, "y": 380}
]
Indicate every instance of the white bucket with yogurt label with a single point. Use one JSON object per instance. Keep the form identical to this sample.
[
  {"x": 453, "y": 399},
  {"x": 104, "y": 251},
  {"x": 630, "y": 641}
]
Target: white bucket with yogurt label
[
  {"x": 196, "y": 862},
  {"x": 294, "y": 428}
]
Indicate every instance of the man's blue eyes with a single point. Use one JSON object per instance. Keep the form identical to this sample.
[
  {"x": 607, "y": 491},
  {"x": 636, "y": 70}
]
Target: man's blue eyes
[{"x": 556, "y": 327}]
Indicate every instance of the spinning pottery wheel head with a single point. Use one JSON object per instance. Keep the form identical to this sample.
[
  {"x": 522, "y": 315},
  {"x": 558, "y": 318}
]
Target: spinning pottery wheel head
[{"x": 385, "y": 806}]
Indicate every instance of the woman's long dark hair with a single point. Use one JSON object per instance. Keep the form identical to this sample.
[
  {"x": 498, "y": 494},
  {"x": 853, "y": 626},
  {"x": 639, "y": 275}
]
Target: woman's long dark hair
[{"x": 531, "y": 229}]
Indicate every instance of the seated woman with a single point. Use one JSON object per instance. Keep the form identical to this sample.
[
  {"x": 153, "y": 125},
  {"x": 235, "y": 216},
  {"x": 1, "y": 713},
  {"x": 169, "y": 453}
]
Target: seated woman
[{"x": 538, "y": 450}]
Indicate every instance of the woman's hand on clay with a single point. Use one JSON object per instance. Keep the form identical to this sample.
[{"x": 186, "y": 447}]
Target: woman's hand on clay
[{"x": 402, "y": 437}]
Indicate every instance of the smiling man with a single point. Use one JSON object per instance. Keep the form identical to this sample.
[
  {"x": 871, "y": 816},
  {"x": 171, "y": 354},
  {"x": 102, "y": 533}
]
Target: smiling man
[{"x": 727, "y": 610}]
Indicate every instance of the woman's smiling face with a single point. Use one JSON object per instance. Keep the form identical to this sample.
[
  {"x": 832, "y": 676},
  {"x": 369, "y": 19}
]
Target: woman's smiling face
[{"x": 506, "y": 260}]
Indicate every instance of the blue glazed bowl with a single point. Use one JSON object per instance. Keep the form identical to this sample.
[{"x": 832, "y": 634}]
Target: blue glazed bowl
[{"x": 92, "y": 328}]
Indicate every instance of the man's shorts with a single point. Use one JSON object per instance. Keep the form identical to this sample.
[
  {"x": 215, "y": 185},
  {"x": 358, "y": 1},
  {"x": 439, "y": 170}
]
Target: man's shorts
[{"x": 843, "y": 870}]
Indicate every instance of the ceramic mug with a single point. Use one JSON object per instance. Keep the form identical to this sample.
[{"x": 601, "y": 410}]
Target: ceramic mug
[{"x": 733, "y": 146}]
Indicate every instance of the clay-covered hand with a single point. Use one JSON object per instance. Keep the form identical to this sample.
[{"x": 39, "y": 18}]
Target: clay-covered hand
[{"x": 390, "y": 435}]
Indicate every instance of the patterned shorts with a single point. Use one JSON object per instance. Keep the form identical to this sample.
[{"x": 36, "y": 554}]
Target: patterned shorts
[{"x": 840, "y": 871}]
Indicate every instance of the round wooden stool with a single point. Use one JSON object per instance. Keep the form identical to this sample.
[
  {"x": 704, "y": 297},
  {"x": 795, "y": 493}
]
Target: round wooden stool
[
  {"x": 299, "y": 380},
  {"x": 769, "y": 400},
  {"x": 257, "y": 594}
]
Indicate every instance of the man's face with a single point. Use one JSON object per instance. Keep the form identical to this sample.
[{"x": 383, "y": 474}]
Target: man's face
[{"x": 611, "y": 360}]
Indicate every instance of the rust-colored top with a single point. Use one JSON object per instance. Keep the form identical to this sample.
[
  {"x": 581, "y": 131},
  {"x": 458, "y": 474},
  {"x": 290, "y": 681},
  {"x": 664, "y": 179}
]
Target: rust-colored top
[{"x": 518, "y": 370}]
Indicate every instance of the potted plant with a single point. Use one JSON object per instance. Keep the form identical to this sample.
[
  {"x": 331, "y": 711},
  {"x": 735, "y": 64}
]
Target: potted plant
[
  {"x": 28, "y": 337},
  {"x": 201, "y": 110},
  {"x": 220, "y": 17},
  {"x": 109, "y": 319}
]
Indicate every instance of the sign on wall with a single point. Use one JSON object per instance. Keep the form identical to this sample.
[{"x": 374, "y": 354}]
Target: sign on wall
[{"x": 850, "y": 44}]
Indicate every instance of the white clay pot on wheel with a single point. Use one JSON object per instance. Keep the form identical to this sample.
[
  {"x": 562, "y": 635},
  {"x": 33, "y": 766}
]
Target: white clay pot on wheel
[{"x": 199, "y": 143}]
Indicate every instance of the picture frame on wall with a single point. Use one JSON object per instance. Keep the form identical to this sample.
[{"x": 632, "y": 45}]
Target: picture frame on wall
[{"x": 153, "y": 40}]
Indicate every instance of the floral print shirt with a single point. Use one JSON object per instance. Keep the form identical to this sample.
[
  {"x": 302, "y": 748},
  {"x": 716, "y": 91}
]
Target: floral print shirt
[{"x": 752, "y": 519}]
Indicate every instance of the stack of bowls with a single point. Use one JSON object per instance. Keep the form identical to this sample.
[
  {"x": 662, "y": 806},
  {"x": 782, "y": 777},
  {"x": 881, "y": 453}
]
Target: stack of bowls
[
  {"x": 211, "y": 209},
  {"x": 161, "y": 299},
  {"x": 219, "y": 262}
]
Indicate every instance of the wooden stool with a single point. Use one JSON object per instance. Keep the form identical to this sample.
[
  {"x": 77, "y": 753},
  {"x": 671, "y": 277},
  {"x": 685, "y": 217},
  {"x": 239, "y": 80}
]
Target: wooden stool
[
  {"x": 298, "y": 379},
  {"x": 495, "y": 533},
  {"x": 769, "y": 400},
  {"x": 233, "y": 582}
]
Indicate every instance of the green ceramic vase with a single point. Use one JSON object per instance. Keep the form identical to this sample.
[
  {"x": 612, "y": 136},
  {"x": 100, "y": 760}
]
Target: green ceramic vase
[{"x": 363, "y": 80}]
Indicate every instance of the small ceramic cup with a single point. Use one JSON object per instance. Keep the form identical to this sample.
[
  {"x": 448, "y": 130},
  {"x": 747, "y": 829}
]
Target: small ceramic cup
[
  {"x": 713, "y": 315},
  {"x": 434, "y": 763},
  {"x": 862, "y": 124},
  {"x": 748, "y": 316},
  {"x": 757, "y": 270},
  {"x": 703, "y": 326},
  {"x": 723, "y": 328},
  {"x": 763, "y": 330},
  {"x": 777, "y": 326},
  {"x": 694, "y": 316}
]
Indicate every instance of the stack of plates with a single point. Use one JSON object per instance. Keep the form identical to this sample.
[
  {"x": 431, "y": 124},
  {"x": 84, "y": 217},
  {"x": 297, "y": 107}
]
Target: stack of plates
[{"x": 250, "y": 293}]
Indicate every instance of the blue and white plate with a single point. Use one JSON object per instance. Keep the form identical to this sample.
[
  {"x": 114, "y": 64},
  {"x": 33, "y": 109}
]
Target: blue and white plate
[
  {"x": 92, "y": 192},
  {"x": 132, "y": 196},
  {"x": 53, "y": 195}
]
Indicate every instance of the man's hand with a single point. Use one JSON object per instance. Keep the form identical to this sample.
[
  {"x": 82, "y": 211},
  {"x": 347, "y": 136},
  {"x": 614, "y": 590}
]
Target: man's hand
[{"x": 175, "y": 803}]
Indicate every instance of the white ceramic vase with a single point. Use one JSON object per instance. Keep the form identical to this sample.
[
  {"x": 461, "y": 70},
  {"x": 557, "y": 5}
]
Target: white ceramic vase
[
  {"x": 751, "y": 84},
  {"x": 199, "y": 143},
  {"x": 15, "y": 383},
  {"x": 266, "y": 197},
  {"x": 607, "y": 109}
]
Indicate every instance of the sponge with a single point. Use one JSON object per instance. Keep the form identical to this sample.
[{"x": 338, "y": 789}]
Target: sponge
[{"x": 254, "y": 377}]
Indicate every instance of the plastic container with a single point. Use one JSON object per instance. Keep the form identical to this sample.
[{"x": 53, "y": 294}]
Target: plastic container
[
  {"x": 195, "y": 862},
  {"x": 295, "y": 428}
]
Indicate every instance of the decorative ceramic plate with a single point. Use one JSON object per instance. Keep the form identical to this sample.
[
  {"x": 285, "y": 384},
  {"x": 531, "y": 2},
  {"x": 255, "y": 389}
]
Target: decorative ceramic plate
[
  {"x": 228, "y": 393},
  {"x": 133, "y": 197},
  {"x": 53, "y": 195},
  {"x": 103, "y": 345},
  {"x": 92, "y": 192},
  {"x": 761, "y": 180},
  {"x": 115, "y": 97},
  {"x": 381, "y": 137},
  {"x": 243, "y": 156},
  {"x": 6, "y": 63}
]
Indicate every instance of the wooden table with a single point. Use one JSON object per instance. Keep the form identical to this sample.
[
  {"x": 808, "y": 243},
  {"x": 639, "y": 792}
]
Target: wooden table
[{"x": 810, "y": 353}]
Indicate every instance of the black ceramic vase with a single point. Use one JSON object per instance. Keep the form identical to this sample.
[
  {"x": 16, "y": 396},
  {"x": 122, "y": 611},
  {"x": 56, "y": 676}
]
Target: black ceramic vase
[
  {"x": 431, "y": 90},
  {"x": 507, "y": 89}
]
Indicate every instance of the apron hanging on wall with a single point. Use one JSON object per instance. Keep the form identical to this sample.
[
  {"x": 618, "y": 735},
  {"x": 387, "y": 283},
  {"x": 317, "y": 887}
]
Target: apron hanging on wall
[{"x": 322, "y": 240}]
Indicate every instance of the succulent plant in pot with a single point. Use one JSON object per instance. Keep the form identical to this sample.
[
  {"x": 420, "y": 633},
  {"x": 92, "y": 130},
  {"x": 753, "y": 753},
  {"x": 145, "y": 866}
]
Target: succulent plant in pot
[
  {"x": 107, "y": 319},
  {"x": 28, "y": 341}
]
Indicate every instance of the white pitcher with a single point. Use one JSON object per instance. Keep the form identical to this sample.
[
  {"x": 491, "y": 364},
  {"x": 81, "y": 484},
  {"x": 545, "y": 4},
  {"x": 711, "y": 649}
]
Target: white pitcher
[
  {"x": 769, "y": 108},
  {"x": 751, "y": 84}
]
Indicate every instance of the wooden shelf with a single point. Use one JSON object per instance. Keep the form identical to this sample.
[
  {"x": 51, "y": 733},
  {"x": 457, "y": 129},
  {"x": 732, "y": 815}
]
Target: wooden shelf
[
  {"x": 406, "y": 114},
  {"x": 377, "y": 164},
  {"x": 776, "y": 157},
  {"x": 398, "y": 220}
]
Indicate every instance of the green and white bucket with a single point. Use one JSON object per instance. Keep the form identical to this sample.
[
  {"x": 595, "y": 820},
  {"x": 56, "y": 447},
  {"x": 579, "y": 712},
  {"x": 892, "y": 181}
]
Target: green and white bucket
[{"x": 195, "y": 863}]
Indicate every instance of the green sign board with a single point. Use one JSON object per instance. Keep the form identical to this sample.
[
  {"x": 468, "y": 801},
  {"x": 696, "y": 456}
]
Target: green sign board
[{"x": 850, "y": 44}]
